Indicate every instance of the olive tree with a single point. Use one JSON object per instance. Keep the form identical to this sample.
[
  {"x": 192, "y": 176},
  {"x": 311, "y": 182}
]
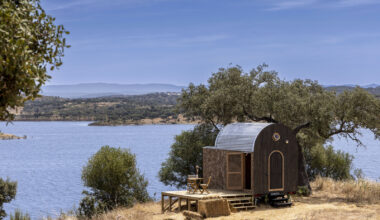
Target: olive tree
[
  {"x": 185, "y": 154},
  {"x": 315, "y": 114},
  {"x": 114, "y": 180},
  {"x": 30, "y": 45},
  {"x": 7, "y": 194}
]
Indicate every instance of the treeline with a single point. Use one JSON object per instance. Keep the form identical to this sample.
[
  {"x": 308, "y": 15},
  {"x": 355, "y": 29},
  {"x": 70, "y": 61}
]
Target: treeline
[
  {"x": 339, "y": 89},
  {"x": 112, "y": 109},
  {"x": 116, "y": 110}
]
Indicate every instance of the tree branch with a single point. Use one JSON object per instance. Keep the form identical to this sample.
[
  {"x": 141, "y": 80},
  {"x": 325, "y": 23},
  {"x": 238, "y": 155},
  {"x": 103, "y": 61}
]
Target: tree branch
[
  {"x": 306, "y": 125},
  {"x": 213, "y": 124},
  {"x": 256, "y": 119}
]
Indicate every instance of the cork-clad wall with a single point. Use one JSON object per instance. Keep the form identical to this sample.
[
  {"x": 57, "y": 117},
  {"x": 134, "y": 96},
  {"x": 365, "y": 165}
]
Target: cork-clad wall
[{"x": 214, "y": 165}]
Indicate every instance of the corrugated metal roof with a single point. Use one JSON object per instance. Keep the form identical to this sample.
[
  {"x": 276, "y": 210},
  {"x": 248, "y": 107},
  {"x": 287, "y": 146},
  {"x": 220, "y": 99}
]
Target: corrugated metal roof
[{"x": 239, "y": 136}]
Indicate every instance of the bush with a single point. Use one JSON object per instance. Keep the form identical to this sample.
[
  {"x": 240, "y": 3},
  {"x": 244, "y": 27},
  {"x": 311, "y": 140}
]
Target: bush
[
  {"x": 19, "y": 215},
  {"x": 186, "y": 154},
  {"x": 326, "y": 162},
  {"x": 114, "y": 180},
  {"x": 7, "y": 193}
]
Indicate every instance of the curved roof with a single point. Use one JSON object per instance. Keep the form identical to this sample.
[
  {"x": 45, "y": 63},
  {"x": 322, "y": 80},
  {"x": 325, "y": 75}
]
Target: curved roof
[{"x": 239, "y": 136}]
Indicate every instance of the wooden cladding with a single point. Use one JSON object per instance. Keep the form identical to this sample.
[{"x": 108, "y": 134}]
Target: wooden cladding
[
  {"x": 275, "y": 163},
  {"x": 235, "y": 171}
]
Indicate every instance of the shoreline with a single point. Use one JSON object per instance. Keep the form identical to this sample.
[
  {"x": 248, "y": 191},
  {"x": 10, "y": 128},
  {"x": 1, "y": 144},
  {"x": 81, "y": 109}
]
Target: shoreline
[
  {"x": 4, "y": 136},
  {"x": 145, "y": 121}
]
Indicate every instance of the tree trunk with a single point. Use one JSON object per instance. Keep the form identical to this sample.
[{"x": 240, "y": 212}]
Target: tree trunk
[{"x": 303, "y": 179}]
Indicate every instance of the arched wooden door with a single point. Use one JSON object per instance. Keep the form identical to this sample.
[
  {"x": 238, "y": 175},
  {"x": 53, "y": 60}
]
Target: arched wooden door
[{"x": 276, "y": 171}]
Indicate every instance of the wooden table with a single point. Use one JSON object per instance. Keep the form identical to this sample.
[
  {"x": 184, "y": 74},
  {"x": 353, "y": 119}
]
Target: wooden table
[{"x": 194, "y": 183}]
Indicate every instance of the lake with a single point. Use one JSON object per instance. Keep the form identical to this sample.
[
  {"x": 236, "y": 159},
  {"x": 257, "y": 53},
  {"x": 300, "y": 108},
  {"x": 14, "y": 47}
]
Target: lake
[{"x": 47, "y": 165}]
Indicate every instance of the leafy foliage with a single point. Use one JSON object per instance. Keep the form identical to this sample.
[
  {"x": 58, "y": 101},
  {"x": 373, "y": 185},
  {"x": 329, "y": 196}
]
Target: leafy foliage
[
  {"x": 185, "y": 154},
  {"x": 325, "y": 162},
  {"x": 114, "y": 180},
  {"x": 315, "y": 114},
  {"x": 304, "y": 105},
  {"x": 30, "y": 43},
  {"x": 7, "y": 193}
]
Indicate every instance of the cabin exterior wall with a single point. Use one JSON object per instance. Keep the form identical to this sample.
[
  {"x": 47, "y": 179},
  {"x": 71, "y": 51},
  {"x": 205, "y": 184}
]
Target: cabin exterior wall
[
  {"x": 264, "y": 146},
  {"x": 214, "y": 165}
]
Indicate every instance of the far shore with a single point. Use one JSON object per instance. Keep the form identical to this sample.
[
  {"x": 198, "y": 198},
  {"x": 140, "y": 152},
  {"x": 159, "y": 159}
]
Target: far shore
[{"x": 145, "y": 121}]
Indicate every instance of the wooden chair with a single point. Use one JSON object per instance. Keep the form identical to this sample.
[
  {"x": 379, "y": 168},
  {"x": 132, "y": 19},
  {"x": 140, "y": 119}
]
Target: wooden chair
[{"x": 204, "y": 186}]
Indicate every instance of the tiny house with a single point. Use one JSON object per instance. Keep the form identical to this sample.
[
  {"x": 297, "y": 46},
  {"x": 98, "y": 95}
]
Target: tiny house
[{"x": 259, "y": 158}]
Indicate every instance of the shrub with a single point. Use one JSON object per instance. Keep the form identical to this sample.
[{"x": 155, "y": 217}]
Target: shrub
[
  {"x": 7, "y": 193},
  {"x": 114, "y": 180},
  {"x": 19, "y": 215},
  {"x": 186, "y": 154},
  {"x": 326, "y": 162}
]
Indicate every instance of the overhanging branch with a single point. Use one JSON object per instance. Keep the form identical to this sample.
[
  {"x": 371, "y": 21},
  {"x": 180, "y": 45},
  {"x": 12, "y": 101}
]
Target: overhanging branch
[{"x": 306, "y": 125}]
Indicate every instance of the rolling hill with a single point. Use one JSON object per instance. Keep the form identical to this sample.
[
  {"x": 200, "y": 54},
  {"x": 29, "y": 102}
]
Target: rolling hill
[{"x": 93, "y": 90}]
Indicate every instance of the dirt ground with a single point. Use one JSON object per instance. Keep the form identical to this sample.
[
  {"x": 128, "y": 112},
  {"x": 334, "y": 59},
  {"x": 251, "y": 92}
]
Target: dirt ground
[{"x": 320, "y": 205}]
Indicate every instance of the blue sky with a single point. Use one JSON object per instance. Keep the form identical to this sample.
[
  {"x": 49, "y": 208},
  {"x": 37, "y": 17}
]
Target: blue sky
[{"x": 183, "y": 41}]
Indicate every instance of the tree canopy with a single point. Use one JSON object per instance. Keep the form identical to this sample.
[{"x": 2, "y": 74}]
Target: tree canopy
[
  {"x": 30, "y": 44},
  {"x": 185, "y": 154},
  {"x": 303, "y": 105},
  {"x": 315, "y": 114},
  {"x": 114, "y": 180}
]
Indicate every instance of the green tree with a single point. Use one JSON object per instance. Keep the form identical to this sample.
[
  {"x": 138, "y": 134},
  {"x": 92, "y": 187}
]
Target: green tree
[
  {"x": 114, "y": 180},
  {"x": 315, "y": 114},
  {"x": 30, "y": 43},
  {"x": 7, "y": 193},
  {"x": 185, "y": 154},
  {"x": 324, "y": 161}
]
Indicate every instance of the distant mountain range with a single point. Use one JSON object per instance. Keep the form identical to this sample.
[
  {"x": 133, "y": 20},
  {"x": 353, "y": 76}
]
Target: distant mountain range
[
  {"x": 373, "y": 85},
  {"x": 92, "y": 90}
]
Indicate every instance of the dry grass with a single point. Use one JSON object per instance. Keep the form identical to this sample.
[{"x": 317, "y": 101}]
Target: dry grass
[
  {"x": 330, "y": 200},
  {"x": 361, "y": 191}
]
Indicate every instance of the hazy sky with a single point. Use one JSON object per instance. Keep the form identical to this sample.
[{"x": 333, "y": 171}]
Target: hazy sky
[{"x": 182, "y": 41}]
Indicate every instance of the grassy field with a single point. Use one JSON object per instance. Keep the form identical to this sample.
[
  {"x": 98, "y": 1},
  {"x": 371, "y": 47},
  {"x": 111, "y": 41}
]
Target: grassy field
[{"x": 330, "y": 200}]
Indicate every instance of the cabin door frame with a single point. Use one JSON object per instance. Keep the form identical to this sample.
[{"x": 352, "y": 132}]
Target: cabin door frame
[
  {"x": 282, "y": 171},
  {"x": 248, "y": 172},
  {"x": 235, "y": 172}
]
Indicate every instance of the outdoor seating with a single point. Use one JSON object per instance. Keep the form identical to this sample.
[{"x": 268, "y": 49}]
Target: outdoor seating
[
  {"x": 191, "y": 183},
  {"x": 204, "y": 186}
]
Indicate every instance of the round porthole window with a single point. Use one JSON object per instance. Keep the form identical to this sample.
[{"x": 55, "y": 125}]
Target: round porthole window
[{"x": 276, "y": 136}]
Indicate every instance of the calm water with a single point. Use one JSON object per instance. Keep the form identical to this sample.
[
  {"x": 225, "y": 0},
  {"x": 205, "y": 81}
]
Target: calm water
[{"x": 47, "y": 165}]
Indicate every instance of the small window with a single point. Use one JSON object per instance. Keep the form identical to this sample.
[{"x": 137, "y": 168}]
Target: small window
[{"x": 276, "y": 136}]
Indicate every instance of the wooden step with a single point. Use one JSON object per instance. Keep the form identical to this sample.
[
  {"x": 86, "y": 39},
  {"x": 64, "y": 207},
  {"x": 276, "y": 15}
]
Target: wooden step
[
  {"x": 242, "y": 204},
  {"x": 239, "y": 199},
  {"x": 281, "y": 204},
  {"x": 236, "y": 196},
  {"x": 279, "y": 199},
  {"x": 245, "y": 208}
]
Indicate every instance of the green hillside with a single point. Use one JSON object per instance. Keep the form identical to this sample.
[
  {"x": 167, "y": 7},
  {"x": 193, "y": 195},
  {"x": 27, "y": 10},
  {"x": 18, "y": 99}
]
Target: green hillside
[{"x": 117, "y": 109}]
